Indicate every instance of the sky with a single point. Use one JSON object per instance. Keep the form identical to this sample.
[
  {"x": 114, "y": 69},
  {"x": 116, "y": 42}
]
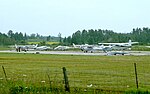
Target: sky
[{"x": 51, "y": 17}]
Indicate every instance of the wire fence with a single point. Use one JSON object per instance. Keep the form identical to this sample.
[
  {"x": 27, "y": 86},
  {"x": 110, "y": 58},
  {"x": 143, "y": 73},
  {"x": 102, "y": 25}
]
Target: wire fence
[{"x": 108, "y": 79}]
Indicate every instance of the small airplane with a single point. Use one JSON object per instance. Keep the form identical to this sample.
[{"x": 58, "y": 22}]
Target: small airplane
[
  {"x": 95, "y": 48},
  {"x": 92, "y": 48},
  {"x": 31, "y": 47},
  {"x": 77, "y": 46},
  {"x": 120, "y": 46},
  {"x": 83, "y": 47},
  {"x": 110, "y": 47},
  {"x": 42, "y": 48},
  {"x": 25, "y": 47},
  {"x": 62, "y": 48},
  {"x": 20, "y": 48}
]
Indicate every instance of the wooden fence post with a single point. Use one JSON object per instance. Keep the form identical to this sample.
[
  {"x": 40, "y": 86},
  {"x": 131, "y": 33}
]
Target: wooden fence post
[
  {"x": 136, "y": 76},
  {"x": 4, "y": 73},
  {"x": 67, "y": 88}
]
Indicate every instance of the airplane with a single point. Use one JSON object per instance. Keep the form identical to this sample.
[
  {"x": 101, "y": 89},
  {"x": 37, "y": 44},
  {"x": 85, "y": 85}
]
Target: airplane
[
  {"x": 20, "y": 48},
  {"x": 25, "y": 47},
  {"x": 42, "y": 48},
  {"x": 62, "y": 48},
  {"x": 83, "y": 47},
  {"x": 120, "y": 46},
  {"x": 95, "y": 48},
  {"x": 77, "y": 46},
  {"x": 92, "y": 48},
  {"x": 80, "y": 46},
  {"x": 31, "y": 47},
  {"x": 110, "y": 47}
]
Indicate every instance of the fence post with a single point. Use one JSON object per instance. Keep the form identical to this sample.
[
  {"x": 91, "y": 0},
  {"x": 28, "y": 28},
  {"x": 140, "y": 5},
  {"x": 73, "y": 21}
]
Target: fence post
[
  {"x": 4, "y": 73},
  {"x": 66, "y": 80},
  {"x": 136, "y": 76}
]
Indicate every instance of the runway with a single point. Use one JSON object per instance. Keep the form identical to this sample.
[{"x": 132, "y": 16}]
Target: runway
[{"x": 135, "y": 53}]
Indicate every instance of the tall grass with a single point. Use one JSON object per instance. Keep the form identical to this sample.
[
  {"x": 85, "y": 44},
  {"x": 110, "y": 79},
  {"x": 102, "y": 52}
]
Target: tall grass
[{"x": 35, "y": 73}]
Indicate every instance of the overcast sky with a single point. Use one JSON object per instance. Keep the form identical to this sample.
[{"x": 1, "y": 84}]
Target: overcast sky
[{"x": 49, "y": 17}]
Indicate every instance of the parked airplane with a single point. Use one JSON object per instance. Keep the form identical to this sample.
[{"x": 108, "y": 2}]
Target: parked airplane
[
  {"x": 25, "y": 47},
  {"x": 62, "y": 48},
  {"x": 83, "y": 47},
  {"x": 120, "y": 46},
  {"x": 102, "y": 47},
  {"x": 31, "y": 47},
  {"x": 92, "y": 48},
  {"x": 42, "y": 48},
  {"x": 20, "y": 48},
  {"x": 80, "y": 46},
  {"x": 77, "y": 46},
  {"x": 97, "y": 48}
]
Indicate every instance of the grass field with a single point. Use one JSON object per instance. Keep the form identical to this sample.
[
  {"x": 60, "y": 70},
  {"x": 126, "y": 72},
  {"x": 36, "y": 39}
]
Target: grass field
[
  {"x": 4, "y": 48},
  {"x": 49, "y": 43},
  {"x": 37, "y": 73}
]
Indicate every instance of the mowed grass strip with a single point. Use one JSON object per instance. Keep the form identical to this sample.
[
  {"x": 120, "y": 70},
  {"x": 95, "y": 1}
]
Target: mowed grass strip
[
  {"x": 101, "y": 72},
  {"x": 50, "y": 43}
]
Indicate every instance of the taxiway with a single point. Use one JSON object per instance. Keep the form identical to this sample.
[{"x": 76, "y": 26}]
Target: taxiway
[{"x": 136, "y": 53}]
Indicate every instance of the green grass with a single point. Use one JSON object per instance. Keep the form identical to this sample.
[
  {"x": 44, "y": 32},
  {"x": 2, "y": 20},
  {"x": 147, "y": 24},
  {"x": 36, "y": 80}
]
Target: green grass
[
  {"x": 5, "y": 48},
  {"x": 140, "y": 48},
  {"x": 34, "y": 72},
  {"x": 49, "y": 43}
]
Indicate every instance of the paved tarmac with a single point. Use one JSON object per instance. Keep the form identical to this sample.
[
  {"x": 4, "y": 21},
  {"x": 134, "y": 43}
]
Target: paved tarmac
[{"x": 136, "y": 53}]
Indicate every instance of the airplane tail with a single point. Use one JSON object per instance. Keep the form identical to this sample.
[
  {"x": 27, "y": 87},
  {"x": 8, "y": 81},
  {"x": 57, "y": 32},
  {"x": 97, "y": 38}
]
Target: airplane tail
[
  {"x": 36, "y": 45},
  {"x": 130, "y": 43},
  {"x": 102, "y": 46},
  {"x": 74, "y": 45},
  {"x": 16, "y": 46}
]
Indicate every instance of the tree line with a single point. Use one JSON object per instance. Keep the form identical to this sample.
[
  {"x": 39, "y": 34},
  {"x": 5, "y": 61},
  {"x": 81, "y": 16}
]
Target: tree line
[
  {"x": 12, "y": 38},
  {"x": 142, "y": 35},
  {"x": 91, "y": 36}
]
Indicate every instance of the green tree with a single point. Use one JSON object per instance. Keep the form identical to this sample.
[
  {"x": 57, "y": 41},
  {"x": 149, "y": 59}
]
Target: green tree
[
  {"x": 48, "y": 38},
  {"x": 10, "y": 33}
]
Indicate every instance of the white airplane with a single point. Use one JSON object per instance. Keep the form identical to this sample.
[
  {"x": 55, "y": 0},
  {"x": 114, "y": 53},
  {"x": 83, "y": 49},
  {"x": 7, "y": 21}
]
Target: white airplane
[
  {"x": 85, "y": 47},
  {"x": 82, "y": 46},
  {"x": 20, "y": 48},
  {"x": 92, "y": 48},
  {"x": 95, "y": 48},
  {"x": 110, "y": 47},
  {"x": 42, "y": 48},
  {"x": 25, "y": 47},
  {"x": 62, "y": 48},
  {"x": 120, "y": 46},
  {"x": 32, "y": 46},
  {"x": 77, "y": 46}
]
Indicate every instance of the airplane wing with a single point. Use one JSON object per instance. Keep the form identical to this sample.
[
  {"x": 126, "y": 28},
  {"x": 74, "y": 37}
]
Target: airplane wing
[{"x": 110, "y": 43}]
